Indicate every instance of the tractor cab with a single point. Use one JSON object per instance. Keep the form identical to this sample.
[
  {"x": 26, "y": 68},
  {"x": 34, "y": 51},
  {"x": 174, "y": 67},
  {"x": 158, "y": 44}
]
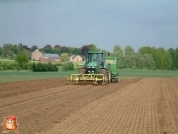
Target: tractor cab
[
  {"x": 95, "y": 61},
  {"x": 95, "y": 57}
]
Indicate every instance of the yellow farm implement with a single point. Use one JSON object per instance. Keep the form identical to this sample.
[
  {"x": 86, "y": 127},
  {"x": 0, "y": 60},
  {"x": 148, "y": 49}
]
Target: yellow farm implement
[{"x": 88, "y": 78}]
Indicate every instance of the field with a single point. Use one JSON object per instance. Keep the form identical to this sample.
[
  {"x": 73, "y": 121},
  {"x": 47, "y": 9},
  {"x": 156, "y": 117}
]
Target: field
[
  {"x": 149, "y": 73},
  {"x": 145, "y": 105},
  {"x": 11, "y": 76}
]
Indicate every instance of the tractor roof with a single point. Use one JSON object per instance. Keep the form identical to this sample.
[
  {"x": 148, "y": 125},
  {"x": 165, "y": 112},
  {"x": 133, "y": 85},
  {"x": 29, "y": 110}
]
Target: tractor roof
[{"x": 95, "y": 52}]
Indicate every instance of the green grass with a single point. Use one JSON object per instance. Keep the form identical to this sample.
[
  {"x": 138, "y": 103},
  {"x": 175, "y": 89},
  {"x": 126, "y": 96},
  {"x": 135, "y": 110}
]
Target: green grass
[
  {"x": 6, "y": 61},
  {"x": 12, "y": 61},
  {"x": 148, "y": 73},
  {"x": 10, "y": 76},
  {"x": 78, "y": 65}
]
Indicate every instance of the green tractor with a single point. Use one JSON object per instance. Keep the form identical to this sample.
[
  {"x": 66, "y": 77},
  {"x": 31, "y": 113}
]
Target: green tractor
[{"x": 97, "y": 69}]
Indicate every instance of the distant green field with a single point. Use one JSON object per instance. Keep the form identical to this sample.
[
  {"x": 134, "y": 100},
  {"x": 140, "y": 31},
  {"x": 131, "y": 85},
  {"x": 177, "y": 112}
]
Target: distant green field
[
  {"x": 12, "y": 61},
  {"x": 6, "y": 61},
  {"x": 9, "y": 76},
  {"x": 148, "y": 73}
]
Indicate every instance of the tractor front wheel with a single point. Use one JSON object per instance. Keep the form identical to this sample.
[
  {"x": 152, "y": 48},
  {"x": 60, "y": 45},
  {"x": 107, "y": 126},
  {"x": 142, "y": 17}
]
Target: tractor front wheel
[{"x": 82, "y": 71}]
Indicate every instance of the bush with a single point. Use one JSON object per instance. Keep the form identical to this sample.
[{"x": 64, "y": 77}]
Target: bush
[
  {"x": 68, "y": 66},
  {"x": 4, "y": 66},
  {"x": 22, "y": 60},
  {"x": 11, "y": 67},
  {"x": 43, "y": 67},
  {"x": 34, "y": 67},
  {"x": 59, "y": 64},
  {"x": 174, "y": 68}
]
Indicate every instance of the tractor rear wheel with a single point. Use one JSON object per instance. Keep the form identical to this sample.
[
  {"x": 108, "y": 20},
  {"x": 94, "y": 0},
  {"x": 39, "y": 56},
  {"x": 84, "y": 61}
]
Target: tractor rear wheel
[
  {"x": 82, "y": 71},
  {"x": 107, "y": 74}
]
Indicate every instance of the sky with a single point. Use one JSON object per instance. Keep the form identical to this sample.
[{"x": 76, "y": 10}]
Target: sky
[{"x": 75, "y": 23}]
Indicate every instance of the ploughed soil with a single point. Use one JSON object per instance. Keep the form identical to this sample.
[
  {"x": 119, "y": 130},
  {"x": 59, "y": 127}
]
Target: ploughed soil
[{"x": 50, "y": 106}]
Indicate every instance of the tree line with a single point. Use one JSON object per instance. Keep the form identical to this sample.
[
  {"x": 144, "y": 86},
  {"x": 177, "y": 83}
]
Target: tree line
[
  {"x": 10, "y": 51},
  {"x": 145, "y": 58}
]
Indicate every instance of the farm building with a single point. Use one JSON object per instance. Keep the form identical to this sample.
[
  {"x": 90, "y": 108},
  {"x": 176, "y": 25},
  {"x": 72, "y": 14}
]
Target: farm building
[
  {"x": 50, "y": 58},
  {"x": 36, "y": 55},
  {"x": 76, "y": 58}
]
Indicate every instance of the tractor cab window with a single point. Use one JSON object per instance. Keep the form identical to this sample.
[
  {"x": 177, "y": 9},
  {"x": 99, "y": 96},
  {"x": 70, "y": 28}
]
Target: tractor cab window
[
  {"x": 100, "y": 57},
  {"x": 95, "y": 57},
  {"x": 92, "y": 57}
]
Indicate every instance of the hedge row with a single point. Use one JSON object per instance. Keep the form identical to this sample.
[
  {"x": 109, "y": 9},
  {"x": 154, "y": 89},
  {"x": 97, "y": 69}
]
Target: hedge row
[
  {"x": 43, "y": 67},
  {"x": 14, "y": 66}
]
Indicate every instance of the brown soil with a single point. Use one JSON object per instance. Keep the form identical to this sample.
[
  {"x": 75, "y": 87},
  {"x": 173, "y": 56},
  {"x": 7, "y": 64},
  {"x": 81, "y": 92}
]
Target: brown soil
[{"x": 139, "y": 106}]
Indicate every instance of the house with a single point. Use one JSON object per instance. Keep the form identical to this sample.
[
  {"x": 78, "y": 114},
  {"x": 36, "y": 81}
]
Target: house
[
  {"x": 36, "y": 55},
  {"x": 76, "y": 58},
  {"x": 50, "y": 58}
]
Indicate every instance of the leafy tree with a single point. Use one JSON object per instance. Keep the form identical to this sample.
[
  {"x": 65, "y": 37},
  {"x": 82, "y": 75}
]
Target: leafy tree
[
  {"x": 174, "y": 57},
  {"x": 140, "y": 61},
  {"x": 0, "y": 66},
  {"x": 8, "y": 51},
  {"x": 168, "y": 60},
  {"x": 118, "y": 52},
  {"x": 20, "y": 48},
  {"x": 10, "y": 54},
  {"x": 129, "y": 50},
  {"x": 106, "y": 53},
  {"x": 0, "y": 51},
  {"x": 84, "y": 49},
  {"x": 64, "y": 57},
  {"x": 25, "y": 47},
  {"x": 48, "y": 46},
  {"x": 130, "y": 61},
  {"x": 22, "y": 60},
  {"x": 130, "y": 57},
  {"x": 33, "y": 48},
  {"x": 71, "y": 50},
  {"x": 16, "y": 50},
  {"x": 77, "y": 51},
  {"x": 92, "y": 47},
  {"x": 147, "y": 50},
  {"x": 162, "y": 58},
  {"x": 64, "y": 49},
  {"x": 57, "y": 46},
  {"x": 149, "y": 61},
  {"x": 25, "y": 51},
  {"x": 56, "y": 51},
  {"x": 47, "y": 49}
]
